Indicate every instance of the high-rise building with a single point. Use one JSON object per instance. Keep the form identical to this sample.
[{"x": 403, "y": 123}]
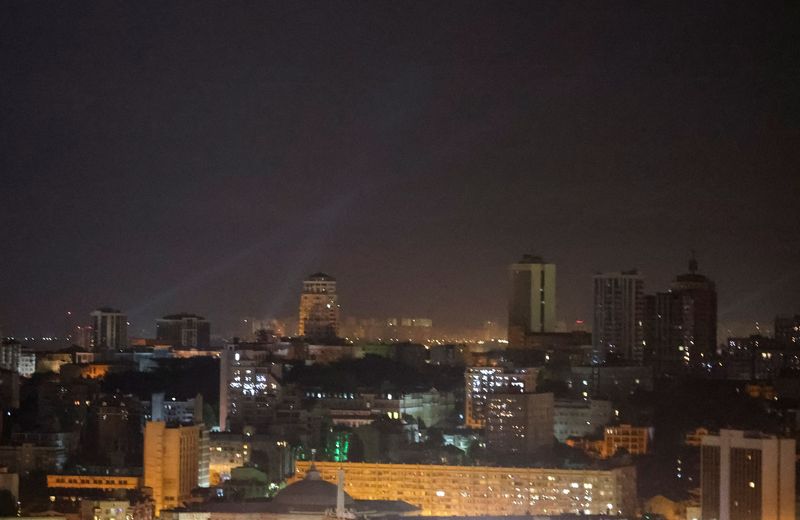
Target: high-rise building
[
  {"x": 319, "y": 308},
  {"x": 249, "y": 388},
  {"x": 746, "y": 476},
  {"x": 110, "y": 328},
  {"x": 173, "y": 458},
  {"x": 698, "y": 304},
  {"x": 532, "y": 302},
  {"x": 185, "y": 330},
  {"x": 681, "y": 325},
  {"x": 619, "y": 305},
  {"x": 483, "y": 382},
  {"x": 519, "y": 423}
]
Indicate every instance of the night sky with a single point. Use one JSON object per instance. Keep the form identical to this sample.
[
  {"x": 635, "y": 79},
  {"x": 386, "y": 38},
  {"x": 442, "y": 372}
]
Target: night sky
[{"x": 206, "y": 156}]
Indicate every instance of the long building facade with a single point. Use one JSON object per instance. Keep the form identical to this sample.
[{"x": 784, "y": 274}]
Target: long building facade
[{"x": 479, "y": 491}]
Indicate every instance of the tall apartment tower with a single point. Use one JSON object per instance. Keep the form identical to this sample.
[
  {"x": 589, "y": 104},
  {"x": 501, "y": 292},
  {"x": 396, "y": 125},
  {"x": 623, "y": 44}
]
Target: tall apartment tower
[
  {"x": 249, "y": 388},
  {"x": 110, "y": 328},
  {"x": 185, "y": 330},
  {"x": 619, "y": 306},
  {"x": 747, "y": 477},
  {"x": 172, "y": 462},
  {"x": 681, "y": 325},
  {"x": 319, "y": 308},
  {"x": 532, "y": 302}
]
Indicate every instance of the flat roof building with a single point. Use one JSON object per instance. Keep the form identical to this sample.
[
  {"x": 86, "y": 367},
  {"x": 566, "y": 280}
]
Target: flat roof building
[
  {"x": 747, "y": 476},
  {"x": 479, "y": 490}
]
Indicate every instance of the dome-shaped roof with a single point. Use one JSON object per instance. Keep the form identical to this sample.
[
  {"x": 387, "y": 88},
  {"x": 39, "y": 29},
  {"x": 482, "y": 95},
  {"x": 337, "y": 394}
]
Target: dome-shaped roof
[{"x": 311, "y": 491}]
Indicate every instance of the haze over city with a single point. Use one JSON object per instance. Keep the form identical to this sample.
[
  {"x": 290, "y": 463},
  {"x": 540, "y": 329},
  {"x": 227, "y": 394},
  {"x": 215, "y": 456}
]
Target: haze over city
[
  {"x": 399, "y": 260},
  {"x": 162, "y": 158}
]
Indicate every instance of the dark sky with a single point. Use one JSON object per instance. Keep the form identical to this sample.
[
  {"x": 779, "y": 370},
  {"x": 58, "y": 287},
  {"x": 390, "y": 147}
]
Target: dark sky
[{"x": 205, "y": 156}]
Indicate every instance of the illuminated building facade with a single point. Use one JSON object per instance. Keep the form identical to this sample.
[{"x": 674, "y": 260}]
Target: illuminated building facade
[
  {"x": 580, "y": 417},
  {"x": 115, "y": 510},
  {"x": 249, "y": 388},
  {"x": 17, "y": 359},
  {"x": 232, "y": 450},
  {"x": 482, "y": 382},
  {"x": 519, "y": 423},
  {"x": 172, "y": 462},
  {"x": 532, "y": 302},
  {"x": 184, "y": 330},
  {"x": 747, "y": 477},
  {"x": 634, "y": 439},
  {"x": 110, "y": 329},
  {"x": 102, "y": 482},
  {"x": 227, "y": 451},
  {"x": 619, "y": 306},
  {"x": 479, "y": 491},
  {"x": 318, "y": 319}
]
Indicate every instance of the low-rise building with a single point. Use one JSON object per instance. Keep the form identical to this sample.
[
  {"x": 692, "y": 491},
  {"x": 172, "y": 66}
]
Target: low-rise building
[
  {"x": 580, "y": 417},
  {"x": 33, "y": 451},
  {"x": 116, "y": 510},
  {"x": 9, "y": 482},
  {"x": 101, "y": 482},
  {"x": 634, "y": 439}
]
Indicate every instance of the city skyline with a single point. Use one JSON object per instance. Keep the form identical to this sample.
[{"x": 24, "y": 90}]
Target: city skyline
[
  {"x": 210, "y": 166},
  {"x": 233, "y": 325},
  {"x": 418, "y": 260}
]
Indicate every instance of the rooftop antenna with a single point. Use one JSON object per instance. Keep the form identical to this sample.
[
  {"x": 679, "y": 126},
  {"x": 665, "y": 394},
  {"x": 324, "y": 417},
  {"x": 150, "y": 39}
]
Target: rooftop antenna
[{"x": 693, "y": 263}]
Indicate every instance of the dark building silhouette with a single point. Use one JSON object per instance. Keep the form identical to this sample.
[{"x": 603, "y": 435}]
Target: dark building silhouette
[
  {"x": 787, "y": 331},
  {"x": 619, "y": 304},
  {"x": 532, "y": 301},
  {"x": 186, "y": 330},
  {"x": 681, "y": 324},
  {"x": 319, "y": 309},
  {"x": 110, "y": 328}
]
